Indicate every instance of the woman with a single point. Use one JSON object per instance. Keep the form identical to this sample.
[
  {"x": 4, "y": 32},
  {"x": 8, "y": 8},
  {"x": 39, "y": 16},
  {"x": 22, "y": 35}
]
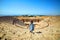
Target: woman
[{"x": 31, "y": 28}]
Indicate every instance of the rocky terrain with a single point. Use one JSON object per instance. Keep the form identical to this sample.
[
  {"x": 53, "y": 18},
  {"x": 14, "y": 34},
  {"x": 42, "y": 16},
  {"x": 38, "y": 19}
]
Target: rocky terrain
[{"x": 8, "y": 31}]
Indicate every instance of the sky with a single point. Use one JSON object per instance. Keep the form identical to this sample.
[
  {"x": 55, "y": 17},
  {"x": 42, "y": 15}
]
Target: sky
[{"x": 29, "y": 7}]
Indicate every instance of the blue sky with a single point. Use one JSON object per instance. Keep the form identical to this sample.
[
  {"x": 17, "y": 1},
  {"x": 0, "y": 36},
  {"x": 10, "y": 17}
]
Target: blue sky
[{"x": 29, "y": 7}]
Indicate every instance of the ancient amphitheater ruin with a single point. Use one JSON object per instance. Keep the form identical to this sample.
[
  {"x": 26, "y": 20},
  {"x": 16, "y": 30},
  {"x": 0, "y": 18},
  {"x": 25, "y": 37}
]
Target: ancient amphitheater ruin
[{"x": 17, "y": 28}]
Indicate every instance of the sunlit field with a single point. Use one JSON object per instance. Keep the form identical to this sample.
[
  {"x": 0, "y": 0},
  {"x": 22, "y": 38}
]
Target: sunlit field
[{"x": 48, "y": 28}]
